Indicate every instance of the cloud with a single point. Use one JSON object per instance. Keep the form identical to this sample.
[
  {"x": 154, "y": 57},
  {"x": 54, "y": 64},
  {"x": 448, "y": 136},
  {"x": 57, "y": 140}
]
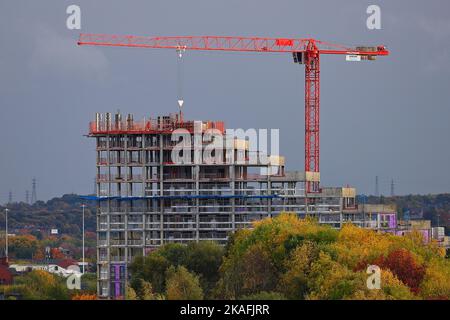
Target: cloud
[{"x": 60, "y": 55}]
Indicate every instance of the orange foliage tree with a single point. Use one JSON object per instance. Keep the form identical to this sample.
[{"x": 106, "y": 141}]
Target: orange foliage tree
[
  {"x": 403, "y": 265},
  {"x": 56, "y": 253}
]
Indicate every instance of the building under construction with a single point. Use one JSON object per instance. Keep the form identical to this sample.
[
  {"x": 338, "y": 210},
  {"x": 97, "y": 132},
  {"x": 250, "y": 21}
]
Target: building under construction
[{"x": 145, "y": 199}]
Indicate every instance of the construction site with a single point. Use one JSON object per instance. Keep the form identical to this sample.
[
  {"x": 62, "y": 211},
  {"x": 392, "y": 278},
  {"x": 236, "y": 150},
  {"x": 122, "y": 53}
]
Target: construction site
[{"x": 146, "y": 199}]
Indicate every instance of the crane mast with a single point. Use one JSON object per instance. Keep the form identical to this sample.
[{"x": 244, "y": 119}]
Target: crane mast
[
  {"x": 305, "y": 51},
  {"x": 312, "y": 114}
]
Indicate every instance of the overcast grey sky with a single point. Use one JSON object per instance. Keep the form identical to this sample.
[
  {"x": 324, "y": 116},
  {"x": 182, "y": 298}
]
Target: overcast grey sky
[{"x": 388, "y": 118}]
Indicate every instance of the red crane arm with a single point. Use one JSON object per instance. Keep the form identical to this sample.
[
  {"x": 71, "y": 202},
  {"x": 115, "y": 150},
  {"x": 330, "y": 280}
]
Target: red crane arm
[{"x": 214, "y": 43}]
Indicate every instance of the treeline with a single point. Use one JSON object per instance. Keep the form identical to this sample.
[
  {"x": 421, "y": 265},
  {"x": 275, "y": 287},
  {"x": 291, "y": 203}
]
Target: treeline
[
  {"x": 29, "y": 247},
  {"x": 64, "y": 214},
  {"x": 289, "y": 258}
]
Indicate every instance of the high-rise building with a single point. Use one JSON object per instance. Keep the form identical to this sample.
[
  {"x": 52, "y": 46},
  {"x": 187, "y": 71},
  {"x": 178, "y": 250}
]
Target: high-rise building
[{"x": 146, "y": 198}]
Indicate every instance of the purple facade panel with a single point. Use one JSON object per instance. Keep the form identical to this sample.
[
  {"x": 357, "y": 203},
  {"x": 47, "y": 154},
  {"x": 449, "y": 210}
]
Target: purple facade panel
[
  {"x": 117, "y": 270},
  {"x": 392, "y": 220}
]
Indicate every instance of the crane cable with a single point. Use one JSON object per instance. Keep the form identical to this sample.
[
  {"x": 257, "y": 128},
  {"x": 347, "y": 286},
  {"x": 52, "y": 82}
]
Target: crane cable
[{"x": 180, "y": 99}]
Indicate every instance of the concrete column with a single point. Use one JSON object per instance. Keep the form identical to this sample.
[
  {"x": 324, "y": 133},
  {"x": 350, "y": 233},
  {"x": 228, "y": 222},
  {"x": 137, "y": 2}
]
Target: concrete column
[{"x": 161, "y": 185}]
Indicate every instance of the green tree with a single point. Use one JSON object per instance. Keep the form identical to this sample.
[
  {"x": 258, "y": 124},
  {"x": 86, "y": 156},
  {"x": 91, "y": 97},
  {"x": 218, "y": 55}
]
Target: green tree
[
  {"x": 182, "y": 285},
  {"x": 204, "y": 258},
  {"x": 152, "y": 269},
  {"x": 174, "y": 253}
]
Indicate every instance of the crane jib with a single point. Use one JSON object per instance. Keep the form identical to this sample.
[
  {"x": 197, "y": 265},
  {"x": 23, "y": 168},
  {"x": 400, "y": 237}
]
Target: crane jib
[{"x": 305, "y": 51}]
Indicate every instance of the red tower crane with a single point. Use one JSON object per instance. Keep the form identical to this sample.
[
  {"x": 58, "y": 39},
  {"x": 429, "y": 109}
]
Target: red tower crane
[{"x": 304, "y": 51}]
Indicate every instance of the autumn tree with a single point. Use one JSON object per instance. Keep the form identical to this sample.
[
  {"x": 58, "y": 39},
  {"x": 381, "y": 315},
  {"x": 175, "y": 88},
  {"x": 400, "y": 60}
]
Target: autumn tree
[
  {"x": 314, "y": 261},
  {"x": 182, "y": 285},
  {"x": 56, "y": 253},
  {"x": 39, "y": 254},
  {"x": 330, "y": 280},
  {"x": 288, "y": 257},
  {"x": 130, "y": 293},
  {"x": 436, "y": 282},
  {"x": 257, "y": 271},
  {"x": 403, "y": 265},
  {"x": 294, "y": 282},
  {"x": 264, "y": 295},
  {"x": 84, "y": 297},
  {"x": 41, "y": 285},
  {"x": 23, "y": 247}
]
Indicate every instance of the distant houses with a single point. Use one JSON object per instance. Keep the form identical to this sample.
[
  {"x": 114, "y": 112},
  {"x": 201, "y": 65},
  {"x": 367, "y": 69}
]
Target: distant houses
[{"x": 63, "y": 268}]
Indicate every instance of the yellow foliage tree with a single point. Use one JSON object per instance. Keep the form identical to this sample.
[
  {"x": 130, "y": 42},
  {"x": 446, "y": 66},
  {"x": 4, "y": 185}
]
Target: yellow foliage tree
[
  {"x": 293, "y": 282},
  {"x": 355, "y": 245},
  {"x": 436, "y": 283},
  {"x": 182, "y": 285}
]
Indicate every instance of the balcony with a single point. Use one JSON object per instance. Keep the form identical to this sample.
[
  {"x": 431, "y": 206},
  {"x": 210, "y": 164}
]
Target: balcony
[
  {"x": 117, "y": 259},
  {"x": 117, "y": 145},
  {"x": 102, "y": 145},
  {"x": 215, "y": 225},
  {"x": 134, "y": 145},
  {"x": 135, "y": 242},
  {"x": 213, "y": 237},
  {"x": 213, "y": 177},
  {"x": 153, "y": 226},
  {"x": 153, "y": 242},
  {"x": 102, "y": 243},
  {"x": 179, "y": 225},
  {"x": 135, "y": 226},
  {"x": 115, "y": 242},
  {"x": 102, "y": 161},
  {"x": 102, "y": 178},
  {"x": 214, "y": 220},
  {"x": 117, "y": 226},
  {"x": 139, "y": 210},
  {"x": 135, "y": 177},
  {"x": 135, "y": 162},
  {"x": 103, "y": 226}
]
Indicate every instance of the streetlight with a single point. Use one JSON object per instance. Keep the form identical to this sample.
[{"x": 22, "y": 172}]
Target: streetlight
[
  {"x": 83, "y": 206},
  {"x": 6, "y": 234}
]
